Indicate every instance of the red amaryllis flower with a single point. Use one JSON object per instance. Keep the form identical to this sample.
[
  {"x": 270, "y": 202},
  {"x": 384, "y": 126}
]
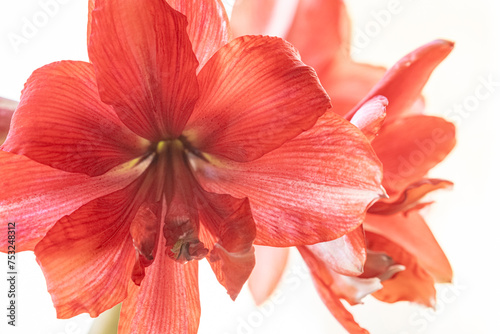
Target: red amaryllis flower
[
  {"x": 408, "y": 143},
  {"x": 7, "y": 108},
  {"x": 102, "y": 163}
]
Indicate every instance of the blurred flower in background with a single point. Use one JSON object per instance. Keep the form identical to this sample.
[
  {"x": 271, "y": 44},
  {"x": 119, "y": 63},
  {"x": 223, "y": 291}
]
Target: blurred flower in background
[{"x": 403, "y": 259}]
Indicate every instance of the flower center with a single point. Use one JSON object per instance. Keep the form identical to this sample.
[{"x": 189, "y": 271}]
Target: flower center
[
  {"x": 181, "y": 223},
  {"x": 169, "y": 195}
]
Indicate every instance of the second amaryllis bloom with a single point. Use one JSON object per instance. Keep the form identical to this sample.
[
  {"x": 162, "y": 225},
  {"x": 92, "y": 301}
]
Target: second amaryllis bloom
[
  {"x": 394, "y": 255},
  {"x": 102, "y": 165}
]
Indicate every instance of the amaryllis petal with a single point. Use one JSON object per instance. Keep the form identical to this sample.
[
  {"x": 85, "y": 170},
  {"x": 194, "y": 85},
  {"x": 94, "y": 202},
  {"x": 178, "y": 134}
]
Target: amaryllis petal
[
  {"x": 319, "y": 28},
  {"x": 338, "y": 310},
  {"x": 61, "y": 122},
  {"x": 36, "y": 196},
  {"x": 167, "y": 301},
  {"x": 255, "y": 95},
  {"x": 147, "y": 72},
  {"x": 348, "y": 82},
  {"x": 87, "y": 257},
  {"x": 91, "y": 7},
  {"x": 7, "y": 108},
  {"x": 404, "y": 81},
  {"x": 331, "y": 167},
  {"x": 370, "y": 117},
  {"x": 409, "y": 198},
  {"x": 330, "y": 293},
  {"x": 321, "y": 31},
  {"x": 410, "y": 231},
  {"x": 270, "y": 263},
  {"x": 413, "y": 284},
  {"x": 260, "y": 17},
  {"x": 345, "y": 255},
  {"x": 410, "y": 147},
  {"x": 229, "y": 231},
  {"x": 208, "y": 26}
]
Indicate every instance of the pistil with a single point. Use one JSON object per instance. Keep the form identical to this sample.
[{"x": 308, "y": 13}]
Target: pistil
[{"x": 181, "y": 226}]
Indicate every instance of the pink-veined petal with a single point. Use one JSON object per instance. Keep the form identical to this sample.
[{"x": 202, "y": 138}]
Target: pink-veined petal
[
  {"x": 321, "y": 32},
  {"x": 409, "y": 197},
  {"x": 345, "y": 255},
  {"x": 403, "y": 82},
  {"x": 61, "y": 122},
  {"x": 36, "y": 196},
  {"x": 228, "y": 230},
  {"x": 91, "y": 7},
  {"x": 348, "y": 82},
  {"x": 337, "y": 309},
  {"x": 270, "y": 263},
  {"x": 410, "y": 147},
  {"x": 312, "y": 189},
  {"x": 167, "y": 301},
  {"x": 330, "y": 291},
  {"x": 320, "y": 29},
  {"x": 87, "y": 257},
  {"x": 260, "y": 17},
  {"x": 147, "y": 72},
  {"x": 370, "y": 117},
  {"x": 411, "y": 232},
  {"x": 208, "y": 26},
  {"x": 7, "y": 108},
  {"x": 412, "y": 284},
  {"x": 255, "y": 95}
]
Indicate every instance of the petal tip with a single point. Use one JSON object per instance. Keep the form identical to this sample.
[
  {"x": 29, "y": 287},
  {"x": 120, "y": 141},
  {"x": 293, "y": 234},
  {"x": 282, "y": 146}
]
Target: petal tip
[{"x": 382, "y": 193}]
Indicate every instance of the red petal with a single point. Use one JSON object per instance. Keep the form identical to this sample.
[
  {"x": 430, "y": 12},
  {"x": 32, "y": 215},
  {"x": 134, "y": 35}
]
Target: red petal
[
  {"x": 255, "y": 17},
  {"x": 350, "y": 288},
  {"x": 345, "y": 255},
  {"x": 380, "y": 265},
  {"x": 255, "y": 95},
  {"x": 413, "y": 284},
  {"x": 36, "y": 196},
  {"x": 409, "y": 198},
  {"x": 312, "y": 189},
  {"x": 167, "y": 300},
  {"x": 330, "y": 293},
  {"x": 320, "y": 29},
  {"x": 87, "y": 257},
  {"x": 270, "y": 263},
  {"x": 370, "y": 117},
  {"x": 411, "y": 232},
  {"x": 410, "y": 147},
  {"x": 61, "y": 122},
  {"x": 7, "y": 108},
  {"x": 91, "y": 7},
  {"x": 403, "y": 82},
  {"x": 144, "y": 64},
  {"x": 347, "y": 83},
  {"x": 337, "y": 309},
  {"x": 229, "y": 231},
  {"x": 208, "y": 26},
  {"x": 144, "y": 231}
]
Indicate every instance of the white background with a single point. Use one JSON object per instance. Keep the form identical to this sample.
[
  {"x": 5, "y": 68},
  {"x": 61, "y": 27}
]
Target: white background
[{"x": 465, "y": 220}]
